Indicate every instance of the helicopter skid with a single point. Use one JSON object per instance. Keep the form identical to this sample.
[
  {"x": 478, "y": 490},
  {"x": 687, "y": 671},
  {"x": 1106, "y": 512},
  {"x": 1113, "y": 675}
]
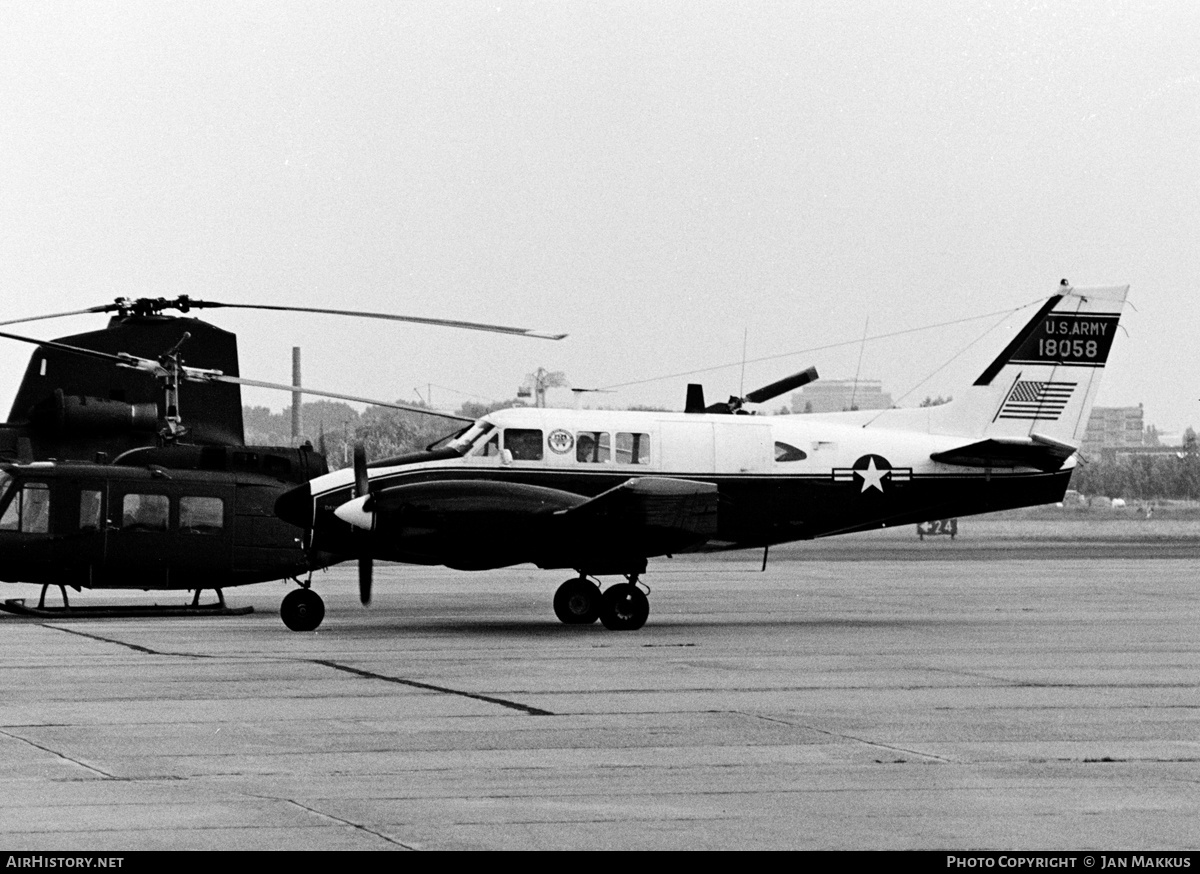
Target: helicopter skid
[{"x": 18, "y": 606}]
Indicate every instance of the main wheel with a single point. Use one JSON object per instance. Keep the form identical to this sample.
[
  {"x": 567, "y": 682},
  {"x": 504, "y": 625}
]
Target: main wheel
[
  {"x": 624, "y": 607},
  {"x": 302, "y": 610},
  {"x": 577, "y": 602}
]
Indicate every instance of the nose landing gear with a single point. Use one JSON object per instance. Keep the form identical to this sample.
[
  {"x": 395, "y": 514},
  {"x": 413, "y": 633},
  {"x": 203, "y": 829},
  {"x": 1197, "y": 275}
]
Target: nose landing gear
[{"x": 302, "y": 609}]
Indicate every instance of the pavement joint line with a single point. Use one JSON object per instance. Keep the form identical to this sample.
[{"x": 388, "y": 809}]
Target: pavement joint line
[
  {"x": 62, "y": 756},
  {"x": 416, "y": 684},
  {"x": 338, "y": 819},
  {"x": 861, "y": 740},
  {"x": 133, "y": 646}
]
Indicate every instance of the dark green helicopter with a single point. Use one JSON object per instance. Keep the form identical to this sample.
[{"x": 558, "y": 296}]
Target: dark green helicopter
[{"x": 105, "y": 484}]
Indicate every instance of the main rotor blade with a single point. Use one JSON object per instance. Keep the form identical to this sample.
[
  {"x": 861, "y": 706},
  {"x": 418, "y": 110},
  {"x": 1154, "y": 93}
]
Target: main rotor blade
[
  {"x": 127, "y": 360},
  {"x": 183, "y": 303},
  {"x": 786, "y": 384},
  {"x": 89, "y": 310},
  {"x": 445, "y": 323},
  {"x": 197, "y": 375}
]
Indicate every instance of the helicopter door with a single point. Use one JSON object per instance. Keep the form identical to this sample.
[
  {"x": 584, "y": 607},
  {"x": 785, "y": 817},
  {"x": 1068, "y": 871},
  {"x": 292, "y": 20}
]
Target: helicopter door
[
  {"x": 138, "y": 547},
  {"x": 82, "y": 535},
  {"x": 25, "y": 526},
  {"x": 158, "y": 540}
]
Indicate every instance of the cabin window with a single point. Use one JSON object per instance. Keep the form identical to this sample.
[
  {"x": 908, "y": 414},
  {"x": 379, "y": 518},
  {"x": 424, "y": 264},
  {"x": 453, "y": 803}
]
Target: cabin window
[
  {"x": 593, "y": 447},
  {"x": 91, "y": 508},
  {"x": 145, "y": 512},
  {"x": 28, "y": 511},
  {"x": 633, "y": 448},
  {"x": 199, "y": 515},
  {"x": 525, "y": 444},
  {"x": 788, "y": 452}
]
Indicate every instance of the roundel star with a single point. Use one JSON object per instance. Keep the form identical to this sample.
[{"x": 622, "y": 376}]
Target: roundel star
[{"x": 872, "y": 476}]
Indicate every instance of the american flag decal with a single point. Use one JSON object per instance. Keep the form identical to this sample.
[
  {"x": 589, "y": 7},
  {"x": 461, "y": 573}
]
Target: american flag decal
[{"x": 1036, "y": 400}]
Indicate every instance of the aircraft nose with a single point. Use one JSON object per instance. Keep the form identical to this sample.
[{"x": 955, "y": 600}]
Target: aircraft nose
[
  {"x": 355, "y": 513},
  {"x": 296, "y": 506}
]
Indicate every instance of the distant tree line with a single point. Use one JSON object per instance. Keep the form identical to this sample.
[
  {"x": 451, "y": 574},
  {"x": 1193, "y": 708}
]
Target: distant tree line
[
  {"x": 1142, "y": 477},
  {"x": 335, "y": 427}
]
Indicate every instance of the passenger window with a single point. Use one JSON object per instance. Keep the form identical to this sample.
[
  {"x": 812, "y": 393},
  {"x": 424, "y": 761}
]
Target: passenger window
[
  {"x": 28, "y": 511},
  {"x": 633, "y": 448},
  {"x": 788, "y": 452},
  {"x": 201, "y": 515},
  {"x": 90, "y": 508},
  {"x": 593, "y": 447},
  {"x": 525, "y": 444},
  {"x": 144, "y": 513}
]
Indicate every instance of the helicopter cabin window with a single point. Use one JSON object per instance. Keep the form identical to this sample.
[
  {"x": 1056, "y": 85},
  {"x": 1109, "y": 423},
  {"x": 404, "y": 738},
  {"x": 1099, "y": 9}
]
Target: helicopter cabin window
[
  {"x": 593, "y": 447},
  {"x": 28, "y": 511},
  {"x": 91, "y": 506},
  {"x": 525, "y": 444},
  {"x": 788, "y": 452},
  {"x": 201, "y": 515},
  {"x": 144, "y": 512},
  {"x": 633, "y": 448}
]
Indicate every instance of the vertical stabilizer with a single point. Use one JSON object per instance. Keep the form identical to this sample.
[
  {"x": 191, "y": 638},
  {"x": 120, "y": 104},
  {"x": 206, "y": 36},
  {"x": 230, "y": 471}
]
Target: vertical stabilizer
[{"x": 1045, "y": 381}]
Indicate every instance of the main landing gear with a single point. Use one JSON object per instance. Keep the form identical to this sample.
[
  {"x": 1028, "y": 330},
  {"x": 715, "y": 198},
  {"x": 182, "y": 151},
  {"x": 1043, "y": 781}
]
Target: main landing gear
[
  {"x": 621, "y": 607},
  {"x": 302, "y": 609}
]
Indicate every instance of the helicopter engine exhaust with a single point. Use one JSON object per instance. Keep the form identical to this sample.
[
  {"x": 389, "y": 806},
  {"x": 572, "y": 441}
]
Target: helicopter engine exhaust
[{"x": 73, "y": 415}]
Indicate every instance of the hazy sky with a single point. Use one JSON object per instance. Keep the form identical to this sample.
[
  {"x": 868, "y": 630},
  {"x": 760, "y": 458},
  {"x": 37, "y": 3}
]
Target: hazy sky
[{"x": 665, "y": 181}]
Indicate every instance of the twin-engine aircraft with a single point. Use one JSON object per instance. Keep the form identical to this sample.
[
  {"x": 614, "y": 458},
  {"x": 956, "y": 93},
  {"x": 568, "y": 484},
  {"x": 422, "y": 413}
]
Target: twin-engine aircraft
[{"x": 600, "y": 491}]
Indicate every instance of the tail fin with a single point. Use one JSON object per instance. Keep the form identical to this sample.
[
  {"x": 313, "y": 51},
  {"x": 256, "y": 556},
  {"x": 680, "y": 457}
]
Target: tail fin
[{"x": 1042, "y": 386}]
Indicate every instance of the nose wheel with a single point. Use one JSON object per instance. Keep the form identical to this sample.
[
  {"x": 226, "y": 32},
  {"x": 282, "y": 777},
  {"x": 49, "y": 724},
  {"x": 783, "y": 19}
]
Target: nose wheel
[{"x": 302, "y": 610}]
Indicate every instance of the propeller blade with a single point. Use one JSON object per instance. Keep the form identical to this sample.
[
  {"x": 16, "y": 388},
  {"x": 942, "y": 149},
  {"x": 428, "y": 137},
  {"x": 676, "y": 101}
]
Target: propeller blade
[
  {"x": 784, "y": 385},
  {"x": 362, "y": 490},
  {"x": 362, "y": 481},
  {"x": 365, "y": 569}
]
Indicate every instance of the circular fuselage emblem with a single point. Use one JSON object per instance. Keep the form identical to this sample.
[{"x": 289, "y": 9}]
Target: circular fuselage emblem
[{"x": 560, "y": 441}]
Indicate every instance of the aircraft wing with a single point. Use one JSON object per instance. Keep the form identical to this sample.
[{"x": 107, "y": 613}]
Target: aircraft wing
[
  {"x": 1035, "y": 451},
  {"x": 653, "y": 502},
  {"x": 641, "y": 517}
]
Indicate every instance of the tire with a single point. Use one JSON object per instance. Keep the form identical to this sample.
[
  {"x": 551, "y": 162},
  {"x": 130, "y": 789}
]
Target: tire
[
  {"x": 577, "y": 602},
  {"x": 302, "y": 610},
  {"x": 624, "y": 607}
]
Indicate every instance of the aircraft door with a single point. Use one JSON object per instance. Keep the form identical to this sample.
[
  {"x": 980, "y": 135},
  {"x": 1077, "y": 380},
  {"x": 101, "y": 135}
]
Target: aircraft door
[
  {"x": 137, "y": 546},
  {"x": 84, "y": 530}
]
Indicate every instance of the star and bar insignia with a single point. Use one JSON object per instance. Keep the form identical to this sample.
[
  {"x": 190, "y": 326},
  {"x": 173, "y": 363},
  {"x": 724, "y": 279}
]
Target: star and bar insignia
[{"x": 872, "y": 471}]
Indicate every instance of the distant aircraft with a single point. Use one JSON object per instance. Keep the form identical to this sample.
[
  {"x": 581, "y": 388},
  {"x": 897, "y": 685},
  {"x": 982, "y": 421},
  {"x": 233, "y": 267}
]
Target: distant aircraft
[{"x": 602, "y": 491}]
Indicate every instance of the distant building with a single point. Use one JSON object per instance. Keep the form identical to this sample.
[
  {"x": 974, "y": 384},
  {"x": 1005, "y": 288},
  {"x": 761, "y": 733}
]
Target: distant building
[
  {"x": 836, "y": 395},
  {"x": 1113, "y": 429}
]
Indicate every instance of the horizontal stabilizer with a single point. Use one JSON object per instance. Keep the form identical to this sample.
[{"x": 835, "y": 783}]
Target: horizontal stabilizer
[{"x": 1037, "y": 452}]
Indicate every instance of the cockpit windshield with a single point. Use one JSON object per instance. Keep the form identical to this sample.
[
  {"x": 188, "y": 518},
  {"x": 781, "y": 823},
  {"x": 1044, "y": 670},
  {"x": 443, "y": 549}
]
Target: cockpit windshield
[
  {"x": 462, "y": 441},
  {"x": 5, "y": 481}
]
